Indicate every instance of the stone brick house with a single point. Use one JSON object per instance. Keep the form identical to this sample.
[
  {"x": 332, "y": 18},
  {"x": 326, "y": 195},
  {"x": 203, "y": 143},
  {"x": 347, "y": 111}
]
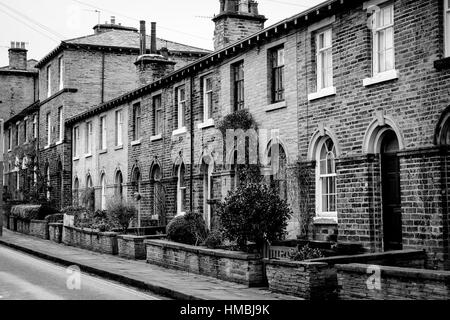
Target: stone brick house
[
  {"x": 18, "y": 92},
  {"x": 363, "y": 117},
  {"x": 82, "y": 73}
]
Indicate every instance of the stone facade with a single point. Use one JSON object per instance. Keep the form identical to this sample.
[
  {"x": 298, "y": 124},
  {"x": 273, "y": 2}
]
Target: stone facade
[
  {"x": 102, "y": 242},
  {"x": 226, "y": 265},
  {"x": 393, "y": 284}
]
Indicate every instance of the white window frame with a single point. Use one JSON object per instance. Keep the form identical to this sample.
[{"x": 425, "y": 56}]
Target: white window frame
[
  {"x": 49, "y": 81},
  {"x": 181, "y": 109},
  {"x": 447, "y": 28},
  {"x": 76, "y": 142},
  {"x": 10, "y": 138},
  {"x": 321, "y": 52},
  {"x": 89, "y": 138},
  {"x": 61, "y": 125},
  {"x": 137, "y": 122},
  {"x": 119, "y": 128},
  {"x": 320, "y": 214},
  {"x": 61, "y": 72},
  {"x": 35, "y": 128},
  {"x": 207, "y": 104},
  {"x": 102, "y": 133},
  {"x": 181, "y": 192},
  {"x": 103, "y": 192},
  {"x": 18, "y": 134},
  {"x": 48, "y": 118},
  {"x": 159, "y": 122}
]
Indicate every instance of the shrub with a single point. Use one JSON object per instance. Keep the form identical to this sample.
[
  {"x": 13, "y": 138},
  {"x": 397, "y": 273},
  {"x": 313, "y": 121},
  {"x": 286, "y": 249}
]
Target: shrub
[
  {"x": 255, "y": 213},
  {"x": 189, "y": 229},
  {"x": 119, "y": 214},
  {"x": 32, "y": 212},
  {"x": 214, "y": 239},
  {"x": 306, "y": 253},
  {"x": 241, "y": 119}
]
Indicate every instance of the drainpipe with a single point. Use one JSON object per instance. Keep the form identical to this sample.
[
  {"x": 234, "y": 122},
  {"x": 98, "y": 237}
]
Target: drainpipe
[
  {"x": 191, "y": 178},
  {"x": 103, "y": 78}
]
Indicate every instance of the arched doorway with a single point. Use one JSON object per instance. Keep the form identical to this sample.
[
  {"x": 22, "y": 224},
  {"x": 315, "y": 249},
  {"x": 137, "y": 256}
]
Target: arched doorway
[
  {"x": 103, "y": 192},
  {"x": 207, "y": 170},
  {"x": 119, "y": 185},
  {"x": 159, "y": 201},
  {"x": 391, "y": 196}
]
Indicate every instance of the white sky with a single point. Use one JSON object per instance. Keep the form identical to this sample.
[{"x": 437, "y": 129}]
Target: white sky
[{"x": 43, "y": 23}]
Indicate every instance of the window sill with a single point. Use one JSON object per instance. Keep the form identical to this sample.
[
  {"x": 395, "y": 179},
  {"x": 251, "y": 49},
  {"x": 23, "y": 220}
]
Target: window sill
[
  {"x": 136, "y": 143},
  {"x": 180, "y": 131},
  {"x": 326, "y": 219},
  {"x": 156, "y": 138},
  {"x": 327, "y": 92},
  {"x": 381, "y": 77},
  {"x": 46, "y": 147},
  {"x": 87, "y": 156},
  {"x": 76, "y": 159},
  {"x": 102, "y": 151},
  {"x": 118, "y": 148},
  {"x": 442, "y": 64},
  {"x": 207, "y": 124},
  {"x": 276, "y": 106},
  {"x": 59, "y": 142}
]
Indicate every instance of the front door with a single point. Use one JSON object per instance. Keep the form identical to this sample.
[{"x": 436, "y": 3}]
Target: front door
[{"x": 392, "y": 213}]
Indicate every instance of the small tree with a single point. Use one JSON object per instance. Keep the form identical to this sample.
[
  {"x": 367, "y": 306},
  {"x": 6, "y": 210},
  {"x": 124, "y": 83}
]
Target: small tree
[
  {"x": 254, "y": 212},
  {"x": 120, "y": 214}
]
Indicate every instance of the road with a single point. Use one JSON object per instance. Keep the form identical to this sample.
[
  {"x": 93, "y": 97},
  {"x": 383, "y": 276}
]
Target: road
[{"x": 23, "y": 277}]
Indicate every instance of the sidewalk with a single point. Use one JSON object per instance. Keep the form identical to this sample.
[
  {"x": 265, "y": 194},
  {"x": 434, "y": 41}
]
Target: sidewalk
[{"x": 170, "y": 283}]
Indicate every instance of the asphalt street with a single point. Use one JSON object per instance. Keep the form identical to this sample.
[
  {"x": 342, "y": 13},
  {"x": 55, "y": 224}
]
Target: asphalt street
[{"x": 23, "y": 277}]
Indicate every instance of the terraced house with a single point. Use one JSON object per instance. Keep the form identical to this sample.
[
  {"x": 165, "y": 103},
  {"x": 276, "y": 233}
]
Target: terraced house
[{"x": 351, "y": 101}]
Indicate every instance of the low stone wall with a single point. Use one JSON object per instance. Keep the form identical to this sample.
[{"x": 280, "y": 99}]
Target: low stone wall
[
  {"x": 403, "y": 258},
  {"x": 308, "y": 280},
  {"x": 358, "y": 283},
  {"x": 55, "y": 232},
  {"x": 39, "y": 229},
  {"x": 133, "y": 247},
  {"x": 231, "y": 266},
  {"x": 23, "y": 226},
  {"x": 102, "y": 242}
]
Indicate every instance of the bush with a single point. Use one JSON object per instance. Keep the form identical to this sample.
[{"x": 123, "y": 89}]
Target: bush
[
  {"x": 189, "y": 229},
  {"x": 306, "y": 253},
  {"x": 254, "y": 213},
  {"x": 32, "y": 212},
  {"x": 214, "y": 239},
  {"x": 119, "y": 214}
]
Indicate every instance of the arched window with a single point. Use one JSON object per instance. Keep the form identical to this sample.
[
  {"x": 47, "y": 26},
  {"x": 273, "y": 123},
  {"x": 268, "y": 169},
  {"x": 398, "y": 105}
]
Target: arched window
[
  {"x": 89, "y": 183},
  {"x": 48, "y": 182},
  {"x": 326, "y": 179},
  {"x": 181, "y": 191},
  {"x": 445, "y": 134},
  {"x": 103, "y": 192},
  {"x": 76, "y": 190},
  {"x": 278, "y": 163},
  {"x": 119, "y": 184},
  {"x": 207, "y": 171},
  {"x": 89, "y": 198},
  {"x": 158, "y": 195},
  {"x": 137, "y": 180}
]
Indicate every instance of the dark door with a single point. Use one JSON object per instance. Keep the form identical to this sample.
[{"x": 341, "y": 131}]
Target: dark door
[{"x": 392, "y": 215}]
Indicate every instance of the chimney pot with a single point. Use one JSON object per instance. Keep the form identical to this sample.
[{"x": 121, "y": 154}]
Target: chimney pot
[
  {"x": 143, "y": 36},
  {"x": 113, "y": 20},
  {"x": 153, "y": 39}
]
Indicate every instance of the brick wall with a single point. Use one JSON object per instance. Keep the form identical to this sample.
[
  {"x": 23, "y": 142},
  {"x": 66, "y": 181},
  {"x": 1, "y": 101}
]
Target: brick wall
[
  {"x": 393, "y": 284},
  {"x": 17, "y": 92}
]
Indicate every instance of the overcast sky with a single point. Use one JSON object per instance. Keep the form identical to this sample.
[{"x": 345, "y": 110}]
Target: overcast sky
[{"x": 44, "y": 23}]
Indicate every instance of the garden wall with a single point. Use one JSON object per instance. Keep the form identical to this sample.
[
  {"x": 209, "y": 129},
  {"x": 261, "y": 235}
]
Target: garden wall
[
  {"x": 393, "y": 284},
  {"x": 231, "y": 266},
  {"x": 308, "y": 280},
  {"x": 55, "y": 232},
  {"x": 133, "y": 247},
  {"x": 102, "y": 242},
  {"x": 39, "y": 228}
]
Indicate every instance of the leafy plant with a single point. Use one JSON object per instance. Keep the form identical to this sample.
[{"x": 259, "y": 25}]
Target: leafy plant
[
  {"x": 254, "y": 213},
  {"x": 119, "y": 214},
  {"x": 305, "y": 253},
  {"x": 241, "y": 119},
  {"x": 188, "y": 229},
  {"x": 214, "y": 239}
]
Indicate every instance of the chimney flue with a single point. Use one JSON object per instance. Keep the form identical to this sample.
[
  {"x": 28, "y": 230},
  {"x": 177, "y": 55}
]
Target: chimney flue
[
  {"x": 153, "y": 43},
  {"x": 143, "y": 49},
  {"x": 18, "y": 56},
  {"x": 113, "y": 20}
]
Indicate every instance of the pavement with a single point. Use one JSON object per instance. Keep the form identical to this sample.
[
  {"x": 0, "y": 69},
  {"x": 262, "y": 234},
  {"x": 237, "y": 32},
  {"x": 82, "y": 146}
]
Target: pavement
[
  {"x": 174, "y": 284},
  {"x": 24, "y": 277}
]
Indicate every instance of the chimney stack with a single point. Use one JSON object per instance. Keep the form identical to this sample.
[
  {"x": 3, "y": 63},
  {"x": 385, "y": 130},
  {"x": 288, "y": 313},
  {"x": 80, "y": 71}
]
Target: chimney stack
[
  {"x": 236, "y": 20},
  {"x": 153, "y": 38},
  {"x": 113, "y": 20},
  {"x": 18, "y": 56},
  {"x": 143, "y": 36},
  {"x": 152, "y": 67}
]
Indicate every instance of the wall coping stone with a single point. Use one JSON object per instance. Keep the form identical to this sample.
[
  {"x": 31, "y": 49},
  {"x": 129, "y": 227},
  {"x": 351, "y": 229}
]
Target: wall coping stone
[
  {"x": 203, "y": 250},
  {"x": 394, "y": 255},
  {"x": 94, "y": 232},
  {"x": 296, "y": 264},
  {"x": 55, "y": 224},
  {"x": 410, "y": 273},
  {"x": 38, "y": 221}
]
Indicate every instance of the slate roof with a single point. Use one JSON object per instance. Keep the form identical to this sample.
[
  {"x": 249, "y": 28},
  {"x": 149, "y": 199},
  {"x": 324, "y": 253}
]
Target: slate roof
[{"x": 30, "y": 68}]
